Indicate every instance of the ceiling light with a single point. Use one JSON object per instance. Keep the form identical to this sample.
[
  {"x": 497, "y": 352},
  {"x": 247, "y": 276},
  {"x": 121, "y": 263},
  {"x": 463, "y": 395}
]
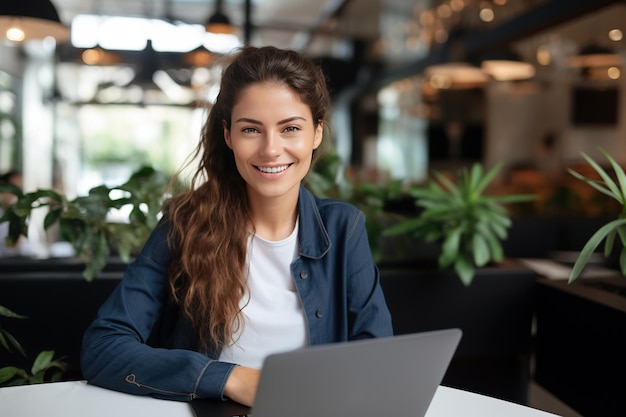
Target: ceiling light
[
  {"x": 505, "y": 70},
  {"x": 506, "y": 65},
  {"x": 35, "y": 19},
  {"x": 543, "y": 55},
  {"x": 487, "y": 15},
  {"x": 218, "y": 22},
  {"x": 199, "y": 57},
  {"x": 594, "y": 55},
  {"x": 99, "y": 56},
  {"x": 454, "y": 76},
  {"x": 616, "y": 35}
]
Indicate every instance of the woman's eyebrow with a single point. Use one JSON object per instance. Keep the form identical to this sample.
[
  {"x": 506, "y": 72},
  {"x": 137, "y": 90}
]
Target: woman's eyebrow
[
  {"x": 247, "y": 120},
  {"x": 280, "y": 122}
]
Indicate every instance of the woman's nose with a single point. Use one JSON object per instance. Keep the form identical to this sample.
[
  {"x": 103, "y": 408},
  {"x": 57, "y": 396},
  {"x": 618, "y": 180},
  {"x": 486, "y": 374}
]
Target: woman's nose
[{"x": 271, "y": 144}]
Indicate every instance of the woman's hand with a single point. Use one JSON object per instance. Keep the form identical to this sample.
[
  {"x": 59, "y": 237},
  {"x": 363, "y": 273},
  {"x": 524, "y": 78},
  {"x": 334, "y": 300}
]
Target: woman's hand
[{"x": 242, "y": 385}]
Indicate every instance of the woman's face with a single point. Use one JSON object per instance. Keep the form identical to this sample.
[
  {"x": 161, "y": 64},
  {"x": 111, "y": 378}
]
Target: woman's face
[{"x": 272, "y": 136}]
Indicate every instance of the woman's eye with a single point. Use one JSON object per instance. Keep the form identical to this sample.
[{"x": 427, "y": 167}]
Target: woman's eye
[
  {"x": 249, "y": 130},
  {"x": 291, "y": 129}
]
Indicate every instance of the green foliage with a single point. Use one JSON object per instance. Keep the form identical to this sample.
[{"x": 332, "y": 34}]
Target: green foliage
[
  {"x": 469, "y": 225},
  {"x": 6, "y": 339},
  {"x": 44, "y": 369},
  {"x": 615, "y": 228},
  {"x": 83, "y": 221},
  {"x": 327, "y": 180},
  {"x": 43, "y": 365}
]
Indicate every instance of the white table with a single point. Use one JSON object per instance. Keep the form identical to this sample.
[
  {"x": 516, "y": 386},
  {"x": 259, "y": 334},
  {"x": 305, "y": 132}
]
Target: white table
[{"x": 78, "y": 399}]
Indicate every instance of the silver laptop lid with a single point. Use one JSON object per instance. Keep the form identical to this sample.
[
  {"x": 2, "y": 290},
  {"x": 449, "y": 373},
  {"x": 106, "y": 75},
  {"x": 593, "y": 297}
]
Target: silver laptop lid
[{"x": 368, "y": 378}]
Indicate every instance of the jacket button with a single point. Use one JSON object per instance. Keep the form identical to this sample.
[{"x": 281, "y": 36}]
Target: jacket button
[
  {"x": 319, "y": 314},
  {"x": 304, "y": 275}
]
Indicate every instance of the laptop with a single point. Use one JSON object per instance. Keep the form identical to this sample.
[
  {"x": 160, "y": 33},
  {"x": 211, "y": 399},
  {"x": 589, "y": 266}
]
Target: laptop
[{"x": 366, "y": 378}]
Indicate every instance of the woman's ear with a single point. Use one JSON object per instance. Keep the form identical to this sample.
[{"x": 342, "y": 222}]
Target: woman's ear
[
  {"x": 226, "y": 134},
  {"x": 319, "y": 135}
]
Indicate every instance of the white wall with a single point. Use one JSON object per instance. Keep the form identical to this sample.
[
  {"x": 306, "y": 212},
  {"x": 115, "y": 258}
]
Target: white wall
[{"x": 519, "y": 115}]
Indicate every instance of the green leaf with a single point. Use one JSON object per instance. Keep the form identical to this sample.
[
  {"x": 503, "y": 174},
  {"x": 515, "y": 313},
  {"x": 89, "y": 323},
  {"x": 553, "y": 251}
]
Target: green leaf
[
  {"x": 497, "y": 253},
  {"x": 42, "y": 361},
  {"x": 99, "y": 256},
  {"x": 52, "y": 217},
  {"x": 7, "y": 187},
  {"x": 475, "y": 179},
  {"x": 607, "y": 186},
  {"x": 450, "y": 248},
  {"x": 481, "y": 250},
  {"x": 3, "y": 340},
  {"x": 591, "y": 246},
  {"x": 465, "y": 270},
  {"x": 10, "y": 372},
  {"x": 7, "y": 340},
  {"x": 450, "y": 186},
  {"x": 403, "y": 227},
  {"x": 488, "y": 178},
  {"x": 619, "y": 173},
  {"x": 11, "y": 314}
]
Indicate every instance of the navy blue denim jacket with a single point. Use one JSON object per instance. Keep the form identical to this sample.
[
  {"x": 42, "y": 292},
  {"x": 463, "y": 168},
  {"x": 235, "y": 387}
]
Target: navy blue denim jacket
[{"x": 139, "y": 344}]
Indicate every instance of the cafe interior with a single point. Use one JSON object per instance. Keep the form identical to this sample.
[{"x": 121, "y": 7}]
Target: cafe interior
[{"x": 91, "y": 90}]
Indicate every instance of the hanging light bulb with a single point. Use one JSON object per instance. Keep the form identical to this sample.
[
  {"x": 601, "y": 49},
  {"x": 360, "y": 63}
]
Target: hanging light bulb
[
  {"x": 15, "y": 33},
  {"x": 35, "y": 19},
  {"x": 218, "y": 22}
]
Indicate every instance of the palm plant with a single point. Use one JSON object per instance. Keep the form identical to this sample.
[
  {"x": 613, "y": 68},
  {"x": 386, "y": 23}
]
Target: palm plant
[
  {"x": 469, "y": 225},
  {"x": 616, "y": 189}
]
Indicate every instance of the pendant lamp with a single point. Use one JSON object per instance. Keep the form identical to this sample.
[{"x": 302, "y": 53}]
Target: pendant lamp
[
  {"x": 506, "y": 65},
  {"x": 218, "y": 22},
  {"x": 594, "y": 55},
  {"x": 31, "y": 19}
]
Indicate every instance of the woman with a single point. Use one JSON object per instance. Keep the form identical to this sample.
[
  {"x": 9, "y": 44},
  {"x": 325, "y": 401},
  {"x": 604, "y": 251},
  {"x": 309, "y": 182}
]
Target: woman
[{"x": 248, "y": 262}]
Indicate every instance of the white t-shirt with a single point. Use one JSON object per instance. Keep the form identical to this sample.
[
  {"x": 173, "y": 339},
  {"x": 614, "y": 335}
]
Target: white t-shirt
[{"x": 273, "y": 317}]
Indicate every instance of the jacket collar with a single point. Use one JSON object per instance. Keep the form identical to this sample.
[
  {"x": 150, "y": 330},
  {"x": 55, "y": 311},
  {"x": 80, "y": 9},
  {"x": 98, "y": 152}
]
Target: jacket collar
[{"x": 313, "y": 237}]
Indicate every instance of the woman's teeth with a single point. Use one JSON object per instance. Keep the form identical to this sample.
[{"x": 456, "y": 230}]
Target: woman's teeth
[{"x": 273, "y": 170}]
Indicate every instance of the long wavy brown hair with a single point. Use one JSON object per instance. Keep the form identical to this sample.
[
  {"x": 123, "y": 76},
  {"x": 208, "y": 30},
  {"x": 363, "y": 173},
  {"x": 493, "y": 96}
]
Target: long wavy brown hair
[{"x": 210, "y": 223}]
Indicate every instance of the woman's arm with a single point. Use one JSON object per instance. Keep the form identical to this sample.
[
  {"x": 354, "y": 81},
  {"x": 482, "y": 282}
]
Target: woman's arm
[
  {"x": 242, "y": 385},
  {"x": 115, "y": 351}
]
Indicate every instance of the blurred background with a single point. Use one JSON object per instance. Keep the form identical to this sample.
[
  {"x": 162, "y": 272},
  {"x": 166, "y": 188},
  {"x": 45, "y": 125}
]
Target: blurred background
[
  {"x": 92, "y": 90},
  {"x": 418, "y": 85}
]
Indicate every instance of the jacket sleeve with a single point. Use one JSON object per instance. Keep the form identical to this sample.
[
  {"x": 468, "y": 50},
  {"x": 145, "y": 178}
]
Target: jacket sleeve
[
  {"x": 368, "y": 314},
  {"x": 115, "y": 351}
]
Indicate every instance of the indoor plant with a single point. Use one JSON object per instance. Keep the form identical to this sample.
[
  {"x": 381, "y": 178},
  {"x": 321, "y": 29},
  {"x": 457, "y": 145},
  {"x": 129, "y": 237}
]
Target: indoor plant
[
  {"x": 328, "y": 179},
  {"x": 83, "y": 221},
  {"x": 42, "y": 366},
  {"x": 613, "y": 188},
  {"x": 468, "y": 225}
]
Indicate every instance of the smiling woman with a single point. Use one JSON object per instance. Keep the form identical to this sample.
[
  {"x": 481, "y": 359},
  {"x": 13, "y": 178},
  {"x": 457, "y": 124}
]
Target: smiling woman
[
  {"x": 247, "y": 262},
  {"x": 273, "y": 135}
]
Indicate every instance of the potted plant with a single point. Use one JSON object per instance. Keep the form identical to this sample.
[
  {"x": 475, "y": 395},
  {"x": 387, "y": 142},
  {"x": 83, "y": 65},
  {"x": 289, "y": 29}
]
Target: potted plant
[
  {"x": 59, "y": 302},
  {"x": 492, "y": 305},
  {"x": 84, "y": 222},
  {"x": 468, "y": 225},
  {"x": 615, "y": 189},
  {"x": 579, "y": 339}
]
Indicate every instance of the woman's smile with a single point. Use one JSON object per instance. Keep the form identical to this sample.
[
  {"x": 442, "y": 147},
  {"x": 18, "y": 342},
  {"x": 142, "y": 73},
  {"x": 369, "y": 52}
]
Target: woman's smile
[{"x": 273, "y": 170}]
